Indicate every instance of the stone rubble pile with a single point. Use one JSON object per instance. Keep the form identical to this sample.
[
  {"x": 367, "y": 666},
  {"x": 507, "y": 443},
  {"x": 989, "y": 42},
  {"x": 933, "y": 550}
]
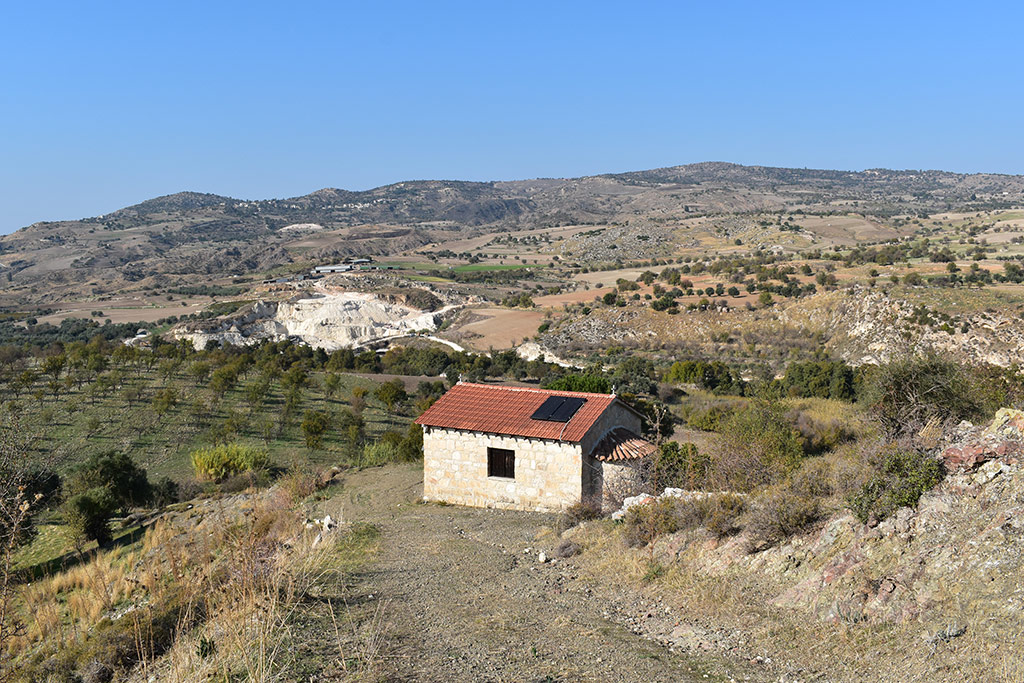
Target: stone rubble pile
[{"x": 681, "y": 494}]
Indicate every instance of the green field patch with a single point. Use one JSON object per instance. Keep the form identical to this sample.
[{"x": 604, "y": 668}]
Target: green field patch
[
  {"x": 479, "y": 267},
  {"x": 408, "y": 265},
  {"x": 1008, "y": 216}
]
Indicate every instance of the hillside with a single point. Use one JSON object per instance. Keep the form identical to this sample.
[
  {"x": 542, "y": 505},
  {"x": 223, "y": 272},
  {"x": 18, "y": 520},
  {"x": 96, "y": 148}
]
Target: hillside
[{"x": 166, "y": 239}]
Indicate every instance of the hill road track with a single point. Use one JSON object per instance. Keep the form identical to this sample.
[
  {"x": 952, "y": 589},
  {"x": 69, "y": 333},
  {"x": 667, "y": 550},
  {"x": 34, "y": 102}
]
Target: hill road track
[{"x": 463, "y": 600}]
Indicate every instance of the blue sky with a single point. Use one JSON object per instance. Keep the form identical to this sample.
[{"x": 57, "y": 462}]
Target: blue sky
[{"x": 106, "y": 104}]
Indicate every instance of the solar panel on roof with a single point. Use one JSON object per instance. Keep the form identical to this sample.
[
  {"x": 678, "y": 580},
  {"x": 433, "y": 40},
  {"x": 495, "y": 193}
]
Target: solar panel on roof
[
  {"x": 546, "y": 408},
  {"x": 568, "y": 408},
  {"x": 558, "y": 408}
]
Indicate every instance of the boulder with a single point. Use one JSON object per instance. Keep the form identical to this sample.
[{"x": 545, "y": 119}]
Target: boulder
[
  {"x": 970, "y": 455},
  {"x": 1002, "y": 440},
  {"x": 631, "y": 501}
]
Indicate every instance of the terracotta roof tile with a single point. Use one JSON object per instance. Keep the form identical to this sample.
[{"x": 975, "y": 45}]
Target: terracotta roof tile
[
  {"x": 622, "y": 444},
  {"x": 499, "y": 409}
]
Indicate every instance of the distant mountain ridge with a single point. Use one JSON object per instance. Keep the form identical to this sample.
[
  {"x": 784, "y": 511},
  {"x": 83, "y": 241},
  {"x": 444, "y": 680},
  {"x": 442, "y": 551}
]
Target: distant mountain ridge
[
  {"x": 179, "y": 201},
  {"x": 510, "y": 193},
  {"x": 189, "y": 233}
]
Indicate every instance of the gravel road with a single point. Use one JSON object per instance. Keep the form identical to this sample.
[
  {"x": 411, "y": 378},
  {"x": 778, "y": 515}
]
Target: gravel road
[{"x": 465, "y": 598}]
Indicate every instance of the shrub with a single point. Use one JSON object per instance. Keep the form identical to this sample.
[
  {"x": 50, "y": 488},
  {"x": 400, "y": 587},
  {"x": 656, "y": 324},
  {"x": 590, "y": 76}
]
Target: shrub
[
  {"x": 707, "y": 418},
  {"x": 124, "y": 482},
  {"x": 579, "y": 512},
  {"x": 379, "y": 453},
  {"x": 716, "y": 376},
  {"x": 224, "y": 460},
  {"x": 758, "y": 446},
  {"x": 244, "y": 481},
  {"x": 391, "y": 394},
  {"x": 720, "y": 514},
  {"x": 679, "y": 465},
  {"x": 165, "y": 492},
  {"x": 88, "y": 515},
  {"x": 411, "y": 447},
  {"x": 299, "y": 485},
  {"x": 820, "y": 436},
  {"x": 567, "y": 549},
  {"x": 824, "y": 379},
  {"x": 644, "y": 523},
  {"x": 779, "y": 512},
  {"x": 314, "y": 425},
  {"x": 581, "y": 382},
  {"x": 904, "y": 394},
  {"x": 901, "y": 478}
]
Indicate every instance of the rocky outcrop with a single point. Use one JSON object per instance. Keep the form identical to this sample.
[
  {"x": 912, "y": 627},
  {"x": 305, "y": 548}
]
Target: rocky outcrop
[
  {"x": 1003, "y": 440},
  {"x": 871, "y": 326},
  {"x": 957, "y": 555}
]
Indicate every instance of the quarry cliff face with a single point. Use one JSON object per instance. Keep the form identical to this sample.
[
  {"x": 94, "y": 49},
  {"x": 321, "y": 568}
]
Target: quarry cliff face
[{"x": 328, "y": 321}]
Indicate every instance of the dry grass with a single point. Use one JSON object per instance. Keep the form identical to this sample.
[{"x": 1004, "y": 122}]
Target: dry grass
[
  {"x": 212, "y": 595},
  {"x": 63, "y": 606}
]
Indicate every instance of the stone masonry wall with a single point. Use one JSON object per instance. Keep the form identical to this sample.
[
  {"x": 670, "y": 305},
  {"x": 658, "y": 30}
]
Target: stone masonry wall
[
  {"x": 607, "y": 483},
  {"x": 548, "y": 474},
  {"x": 614, "y": 416},
  {"x": 621, "y": 480}
]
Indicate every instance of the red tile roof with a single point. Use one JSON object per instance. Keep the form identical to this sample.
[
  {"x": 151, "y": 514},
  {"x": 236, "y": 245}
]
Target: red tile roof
[
  {"x": 499, "y": 409},
  {"x": 622, "y": 444}
]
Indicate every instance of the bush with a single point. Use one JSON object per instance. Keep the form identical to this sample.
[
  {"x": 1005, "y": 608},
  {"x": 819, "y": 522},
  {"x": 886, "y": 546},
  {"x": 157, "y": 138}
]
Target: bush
[
  {"x": 820, "y": 436},
  {"x": 244, "y": 481},
  {"x": 791, "y": 506},
  {"x": 411, "y": 447},
  {"x": 379, "y": 453},
  {"x": 299, "y": 485},
  {"x": 706, "y": 418},
  {"x": 901, "y": 478},
  {"x": 314, "y": 425},
  {"x": 716, "y": 376},
  {"x": 779, "y": 512},
  {"x": 224, "y": 460},
  {"x": 758, "y": 446},
  {"x": 391, "y": 394},
  {"x": 824, "y": 379},
  {"x": 579, "y": 512},
  {"x": 574, "y": 381},
  {"x": 124, "y": 482},
  {"x": 904, "y": 395},
  {"x": 679, "y": 465},
  {"x": 88, "y": 515},
  {"x": 718, "y": 514},
  {"x": 165, "y": 492},
  {"x": 644, "y": 523},
  {"x": 567, "y": 549}
]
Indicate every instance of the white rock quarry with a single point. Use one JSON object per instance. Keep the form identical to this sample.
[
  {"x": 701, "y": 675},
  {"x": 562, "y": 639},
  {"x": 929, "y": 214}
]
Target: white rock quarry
[
  {"x": 298, "y": 227},
  {"x": 329, "y": 321},
  {"x": 534, "y": 351}
]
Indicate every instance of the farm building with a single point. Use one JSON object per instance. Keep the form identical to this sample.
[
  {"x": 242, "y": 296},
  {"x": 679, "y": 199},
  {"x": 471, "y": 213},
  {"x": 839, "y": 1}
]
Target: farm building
[
  {"x": 336, "y": 268},
  {"x": 530, "y": 449}
]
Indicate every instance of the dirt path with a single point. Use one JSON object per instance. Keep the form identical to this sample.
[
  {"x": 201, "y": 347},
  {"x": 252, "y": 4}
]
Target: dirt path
[{"x": 465, "y": 602}]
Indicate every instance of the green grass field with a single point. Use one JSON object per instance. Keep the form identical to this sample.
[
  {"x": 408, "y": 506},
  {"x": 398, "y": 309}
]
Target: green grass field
[{"x": 479, "y": 267}]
